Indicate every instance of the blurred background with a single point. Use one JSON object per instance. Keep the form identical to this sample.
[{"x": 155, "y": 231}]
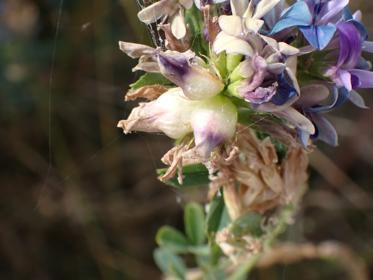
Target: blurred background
[{"x": 79, "y": 200}]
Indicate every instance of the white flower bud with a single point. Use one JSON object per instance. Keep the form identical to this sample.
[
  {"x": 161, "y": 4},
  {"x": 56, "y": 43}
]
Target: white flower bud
[{"x": 214, "y": 122}]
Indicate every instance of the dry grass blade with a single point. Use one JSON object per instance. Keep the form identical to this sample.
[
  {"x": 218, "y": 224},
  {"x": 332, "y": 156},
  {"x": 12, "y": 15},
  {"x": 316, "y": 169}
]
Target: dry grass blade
[
  {"x": 340, "y": 180},
  {"x": 292, "y": 253}
]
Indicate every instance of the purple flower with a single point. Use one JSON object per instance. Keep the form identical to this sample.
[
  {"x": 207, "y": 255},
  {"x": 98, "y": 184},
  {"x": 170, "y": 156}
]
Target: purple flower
[
  {"x": 263, "y": 87},
  {"x": 350, "y": 44},
  {"x": 316, "y": 19},
  {"x": 349, "y": 73},
  {"x": 286, "y": 92},
  {"x": 312, "y": 96},
  {"x": 260, "y": 95},
  {"x": 250, "y": 90}
]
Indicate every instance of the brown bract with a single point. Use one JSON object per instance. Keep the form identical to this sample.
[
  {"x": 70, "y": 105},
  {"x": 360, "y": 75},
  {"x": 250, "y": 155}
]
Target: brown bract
[
  {"x": 176, "y": 158},
  {"x": 211, "y": 24},
  {"x": 174, "y": 44},
  {"x": 146, "y": 92}
]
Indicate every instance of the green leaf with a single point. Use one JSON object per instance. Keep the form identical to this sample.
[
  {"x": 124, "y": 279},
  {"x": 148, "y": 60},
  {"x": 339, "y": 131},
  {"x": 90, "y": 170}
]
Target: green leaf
[
  {"x": 249, "y": 223},
  {"x": 194, "y": 176},
  {"x": 194, "y": 221},
  {"x": 150, "y": 79},
  {"x": 170, "y": 263},
  {"x": 172, "y": 239},
  {"x": 217, "y": 216},
  {"x": 199, "y": 250}
]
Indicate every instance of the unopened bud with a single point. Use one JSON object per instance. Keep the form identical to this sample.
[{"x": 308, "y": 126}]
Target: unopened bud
[
  {"x": 214, "y": 122},
  {"x": 233, "y": 60},
  {"x": 244, "y": 70}
]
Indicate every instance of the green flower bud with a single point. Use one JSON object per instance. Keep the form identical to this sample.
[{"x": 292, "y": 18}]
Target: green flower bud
[{"x": 233, "y": 60}]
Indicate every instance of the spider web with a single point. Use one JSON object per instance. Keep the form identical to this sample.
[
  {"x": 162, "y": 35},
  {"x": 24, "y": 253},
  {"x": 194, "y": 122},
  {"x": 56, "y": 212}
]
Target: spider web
[
  {"x": 50, "y": 98},
  {"x": 157, "y": 40}
]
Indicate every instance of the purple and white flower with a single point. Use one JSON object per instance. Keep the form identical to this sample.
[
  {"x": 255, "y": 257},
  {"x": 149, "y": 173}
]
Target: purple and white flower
[
  {"x": 196, "y": 81},
  {"x": 350, "y": 72},
  {"x": 212, "y": 121},
  {"x": 185, "y": 70},
  {"x": 254, "y": 57}
]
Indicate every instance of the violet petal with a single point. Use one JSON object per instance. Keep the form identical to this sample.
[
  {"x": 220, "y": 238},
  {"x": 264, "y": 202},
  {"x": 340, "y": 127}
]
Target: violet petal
[
  {"x": 364, "y": 78},
  {"x": 325, "y": 131},
  {"x": 260, "y": 95},
  {"x": 331, "y": 9},
  {"x": 350, "y": 45},
  {"x": 340, "y": 96},
  {"x": 357, "y": 100},
  {"x": 286, "y": 91}
]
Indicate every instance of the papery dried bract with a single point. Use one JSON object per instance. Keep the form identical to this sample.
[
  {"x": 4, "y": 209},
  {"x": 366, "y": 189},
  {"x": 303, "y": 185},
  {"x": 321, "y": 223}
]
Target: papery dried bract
[
  {"x": 174, "y": 44},
  {"x": 150, "y": 92},
  {"x": 263, "y": 181}
]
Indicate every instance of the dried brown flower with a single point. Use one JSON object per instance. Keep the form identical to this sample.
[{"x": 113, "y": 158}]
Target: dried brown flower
[
  {"x": 249, "y": 170},
  {"x": 147, "y": 92},
  {"x": 174, "y": 44},
  {"x": 256, "y": 180}
]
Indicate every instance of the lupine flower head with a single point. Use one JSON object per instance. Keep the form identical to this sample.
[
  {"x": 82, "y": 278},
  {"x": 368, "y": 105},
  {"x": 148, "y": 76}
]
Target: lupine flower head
[{"x": 264, "y": 60}]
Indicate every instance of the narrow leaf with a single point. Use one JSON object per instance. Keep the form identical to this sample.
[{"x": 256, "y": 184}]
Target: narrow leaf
[{"x": 217, "y": 216}]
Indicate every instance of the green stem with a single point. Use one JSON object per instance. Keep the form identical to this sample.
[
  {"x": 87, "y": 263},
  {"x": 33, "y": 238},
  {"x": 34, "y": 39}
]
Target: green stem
[{"x": 244, "y": 269}]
